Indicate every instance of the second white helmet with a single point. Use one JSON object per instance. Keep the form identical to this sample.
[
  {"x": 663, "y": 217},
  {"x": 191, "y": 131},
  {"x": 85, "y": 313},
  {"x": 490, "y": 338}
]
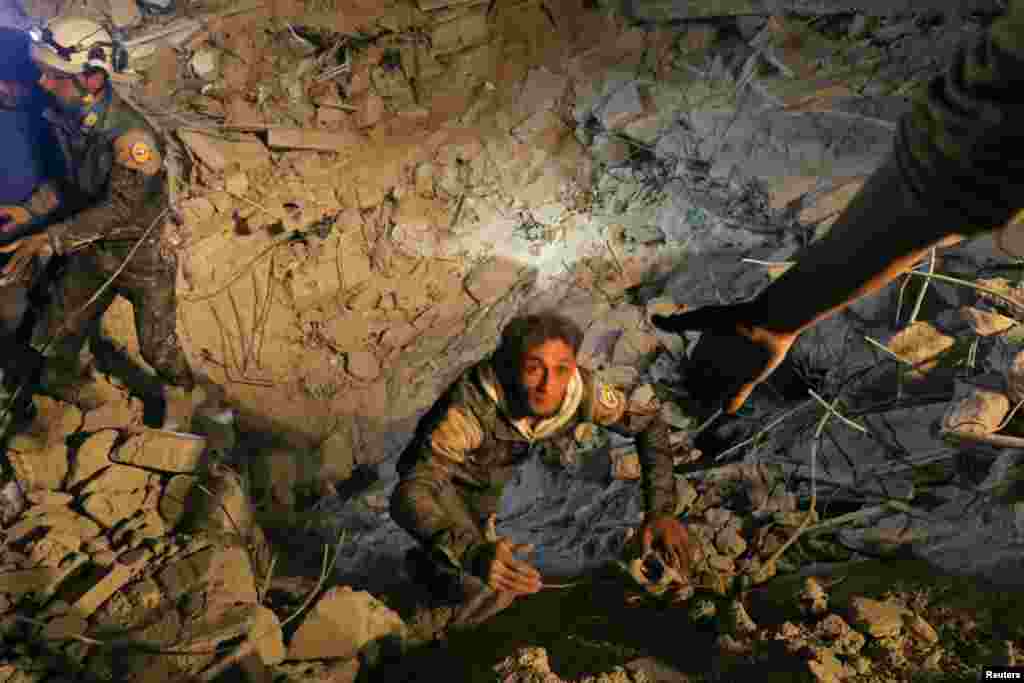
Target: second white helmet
[{"x": 73, "y": 44}]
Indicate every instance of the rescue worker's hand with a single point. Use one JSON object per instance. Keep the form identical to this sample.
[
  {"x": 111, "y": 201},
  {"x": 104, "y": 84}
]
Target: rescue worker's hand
[
  {"x": 24, "y": 251},
  {"x": 732, "y": 356},
  {"x": 669, "y": 538},
  {"x": 503, "y": 572}
]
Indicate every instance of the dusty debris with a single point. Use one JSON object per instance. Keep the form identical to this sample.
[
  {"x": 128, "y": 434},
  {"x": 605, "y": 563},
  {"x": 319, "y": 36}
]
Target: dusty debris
[
  {"x": 166, "y": 452},
  {"x": 920, "y": 344},
  {"x": 220, "y": 154},
  {"x": 296, "y": 138},
  {"x": 976, "y": 410},
  {"x": 124, "y": 13},
  {"x": 342, "y": 623}
]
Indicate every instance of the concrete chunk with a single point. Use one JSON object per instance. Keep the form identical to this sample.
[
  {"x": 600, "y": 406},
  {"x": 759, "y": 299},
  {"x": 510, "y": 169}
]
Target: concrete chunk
[
  {"x": 246, "y": 154},
  {"x": 166, "y": 452},
  {"x": 341, "y": 624}
]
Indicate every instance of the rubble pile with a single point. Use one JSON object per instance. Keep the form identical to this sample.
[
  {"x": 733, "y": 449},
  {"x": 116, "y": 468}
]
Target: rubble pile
[
  {"x": 531, "y": 665},
  {"x": 365, "y": 186},
  {"x": 738, "y": 517},
  {"x": 135, "y": 557},
  {"x": 835, "y": 643}
]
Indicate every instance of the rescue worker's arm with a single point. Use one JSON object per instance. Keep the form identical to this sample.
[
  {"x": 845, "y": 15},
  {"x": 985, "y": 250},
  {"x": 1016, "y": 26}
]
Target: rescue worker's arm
[
  {"x": 418, "y": 503},
  {"x": 132, "y": 203},
  {"x": 644, "y": 423},
  {"x": 661, "y": 530},
  {"x": 957, "y": 170},
  {"x": 426, "y": 504}
]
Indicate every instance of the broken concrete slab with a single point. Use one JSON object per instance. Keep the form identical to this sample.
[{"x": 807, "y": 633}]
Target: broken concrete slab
[
  {"x": 223, "y": 572},
  {"x": 269, "y": 638},
  {"x": 543, "y": 89},
  {"x": 246, "y": 153},
  {"x": 770, "y": 144},
  {"x": 111, "y": 508},
  {"x": 464, "y": 30},
  {"x": 118, "y": 478},
  {"x": 39, "y": 469},
  {"x": 341, "y": 624},
  {"x": 60, "y": 519},
  {"x": 490, "y": 281},
  {"x": 165, "y": 452},
  {"x": 303, "y": 138}
]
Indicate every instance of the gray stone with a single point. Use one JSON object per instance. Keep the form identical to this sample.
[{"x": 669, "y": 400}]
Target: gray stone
[
  {"x": 858, "y": 27},
  {"x": 895, "y": 31},
  {"x": 626, "y": 105}
]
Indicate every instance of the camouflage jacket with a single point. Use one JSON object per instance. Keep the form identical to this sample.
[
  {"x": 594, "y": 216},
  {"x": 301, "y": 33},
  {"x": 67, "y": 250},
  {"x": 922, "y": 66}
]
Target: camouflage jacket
[
  {"x": 116, "y": 187},
  {"x": 961, "y": 148},
  {"x": 466, "y": 439}
]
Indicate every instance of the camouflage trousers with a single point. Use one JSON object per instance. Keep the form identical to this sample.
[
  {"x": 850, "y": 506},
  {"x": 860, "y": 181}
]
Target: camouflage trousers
[{"x": 148, "y": 282}]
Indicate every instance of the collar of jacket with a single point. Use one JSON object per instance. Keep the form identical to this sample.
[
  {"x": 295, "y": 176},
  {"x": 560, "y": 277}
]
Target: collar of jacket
[{"x": 488, "y": 379}]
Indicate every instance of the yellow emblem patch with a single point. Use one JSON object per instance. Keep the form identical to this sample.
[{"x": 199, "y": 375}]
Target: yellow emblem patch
[
  {"x": 90, "y": 119},
  {"x": 141, "y": 153},
  {"x": 608, "y": 397}
]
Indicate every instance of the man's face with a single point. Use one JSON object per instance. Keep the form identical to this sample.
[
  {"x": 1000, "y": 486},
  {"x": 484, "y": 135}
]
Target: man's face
[
  {"x": 13, "y": 94},
  {"x": 544, "y": 375}
]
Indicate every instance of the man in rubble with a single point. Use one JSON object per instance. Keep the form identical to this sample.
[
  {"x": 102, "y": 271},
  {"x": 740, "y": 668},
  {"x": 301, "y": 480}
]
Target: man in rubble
[
  {"x": 530, "y": 392},
  {"x": 957, "y": 171},
  {"x": 117, "y": 202}
]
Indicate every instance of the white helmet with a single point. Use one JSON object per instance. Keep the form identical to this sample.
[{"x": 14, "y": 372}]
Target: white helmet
[{"x": 73, "y": 44}]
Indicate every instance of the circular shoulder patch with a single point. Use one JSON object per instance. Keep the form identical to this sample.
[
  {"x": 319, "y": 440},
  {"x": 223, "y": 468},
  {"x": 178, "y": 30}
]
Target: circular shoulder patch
[
  {"x": 141, "y": 153},
  {"x": 607, "y": 396},
  {"x": 90, "y": 119},
  {"x": 585, "y": 433}
]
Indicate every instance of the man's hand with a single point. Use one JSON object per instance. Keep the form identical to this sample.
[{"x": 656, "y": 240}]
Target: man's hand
[
  {"x": 25, "y": 250},
  {"x": 505, "y": 573},
  {"x": 732, "y": 357},
  {"x": 669, "y": 537}
]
